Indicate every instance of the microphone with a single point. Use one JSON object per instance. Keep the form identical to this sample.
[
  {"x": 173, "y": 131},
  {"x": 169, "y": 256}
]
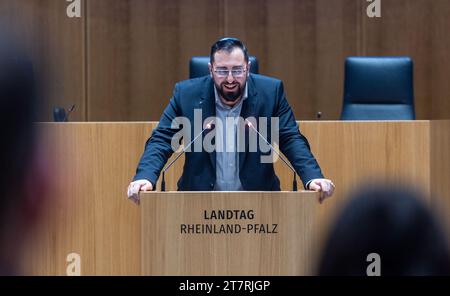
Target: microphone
[
  {"x": 163, "y": 181},
  {"x": 60, "y": 115},
  {"x": 68, "y": 113},
  {"x": 294, "y": 182}
]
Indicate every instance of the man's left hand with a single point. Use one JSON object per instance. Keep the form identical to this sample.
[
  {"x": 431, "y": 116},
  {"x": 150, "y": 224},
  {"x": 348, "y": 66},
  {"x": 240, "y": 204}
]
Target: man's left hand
[{"x": 324, "y": 186}]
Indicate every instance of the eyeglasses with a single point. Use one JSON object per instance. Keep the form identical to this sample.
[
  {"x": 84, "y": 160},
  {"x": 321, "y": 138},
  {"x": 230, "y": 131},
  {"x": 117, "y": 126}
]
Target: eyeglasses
[{"x": 239, "y": 72}]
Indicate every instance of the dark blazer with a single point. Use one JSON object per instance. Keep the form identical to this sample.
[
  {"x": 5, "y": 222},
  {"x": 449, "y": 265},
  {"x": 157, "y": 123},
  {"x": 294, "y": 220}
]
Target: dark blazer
[{"x": 266, "y": 98}]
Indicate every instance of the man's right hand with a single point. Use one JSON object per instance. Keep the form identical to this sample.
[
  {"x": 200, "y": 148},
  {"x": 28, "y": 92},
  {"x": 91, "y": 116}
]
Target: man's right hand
[{"x": 136, "y": 186}]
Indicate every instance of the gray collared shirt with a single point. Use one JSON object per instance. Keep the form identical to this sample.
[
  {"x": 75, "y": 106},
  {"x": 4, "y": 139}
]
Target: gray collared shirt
[{"x": 227, "y": 158}]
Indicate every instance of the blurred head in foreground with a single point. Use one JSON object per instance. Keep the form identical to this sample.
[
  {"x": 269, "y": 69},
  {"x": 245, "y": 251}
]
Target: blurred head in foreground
[
  {"x": 392, "y": 223},
  {"x": 22, "y": 171}
]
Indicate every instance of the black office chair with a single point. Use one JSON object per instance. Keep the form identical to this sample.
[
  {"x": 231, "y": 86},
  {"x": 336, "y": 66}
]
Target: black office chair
[
  {"x": 198, "y": 66},
  {"x": 378, "y": 88}
]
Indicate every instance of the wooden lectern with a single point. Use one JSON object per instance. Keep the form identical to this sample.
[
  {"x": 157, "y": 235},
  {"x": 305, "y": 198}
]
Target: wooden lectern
[{"x": 229, "y": 233}]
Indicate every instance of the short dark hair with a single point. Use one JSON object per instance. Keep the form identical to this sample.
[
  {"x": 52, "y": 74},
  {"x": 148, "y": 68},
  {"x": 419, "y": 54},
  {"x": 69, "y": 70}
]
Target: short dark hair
[
  {"x": 228, "y": 44},
  {"x": 393, "y": 222}
]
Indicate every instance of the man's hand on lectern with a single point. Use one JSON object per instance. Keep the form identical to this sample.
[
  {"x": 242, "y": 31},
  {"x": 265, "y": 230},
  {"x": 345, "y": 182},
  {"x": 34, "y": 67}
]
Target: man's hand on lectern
[
  {"x": 136, "y": 186},
  {"x": 324, "y": 186}
]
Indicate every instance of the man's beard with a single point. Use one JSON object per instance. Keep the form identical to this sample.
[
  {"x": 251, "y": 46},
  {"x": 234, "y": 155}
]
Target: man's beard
[{"x": 230, "y": 96}]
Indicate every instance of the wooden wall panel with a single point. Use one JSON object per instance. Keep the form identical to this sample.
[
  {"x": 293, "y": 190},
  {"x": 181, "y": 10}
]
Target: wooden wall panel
[
  {"x": 55, "y": 43},
  {"x": 121, "y": 59},
  {"x": 417, "y": 29},
  {"x": 138, "y": 49},
  {"x": 303, "y": 43},
  {"x": 439, "y": 92}
]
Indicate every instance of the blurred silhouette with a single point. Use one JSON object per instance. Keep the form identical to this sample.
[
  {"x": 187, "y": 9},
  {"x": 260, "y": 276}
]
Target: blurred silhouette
[
  {"x": 392, "y": 222},
  {"x": 23, "y": 172}
]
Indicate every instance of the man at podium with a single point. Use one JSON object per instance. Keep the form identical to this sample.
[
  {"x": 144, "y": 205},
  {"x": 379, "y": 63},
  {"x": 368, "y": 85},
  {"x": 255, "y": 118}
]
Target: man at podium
[{"x": 225, "y": 99}]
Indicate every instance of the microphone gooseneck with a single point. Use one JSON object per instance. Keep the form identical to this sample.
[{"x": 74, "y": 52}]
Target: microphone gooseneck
[
  {"x": 294, "y": 182},
  {"x": 163, "y": 181},
  {"x": 68, "y": 113}
]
